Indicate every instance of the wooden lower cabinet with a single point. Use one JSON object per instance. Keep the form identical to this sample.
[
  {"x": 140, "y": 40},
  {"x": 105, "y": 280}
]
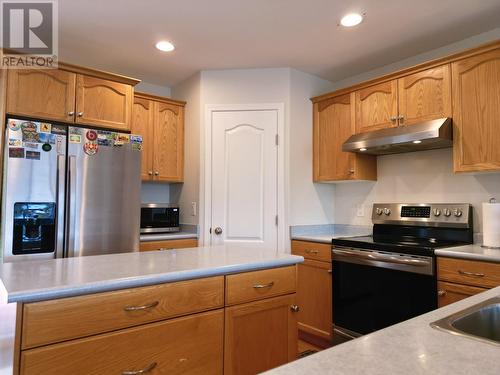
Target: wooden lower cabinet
[
  {"x": 314, "y": 296},
  {"x": 168, "y": 244},
  {"x": 450, "y": 293},
  {"x": 189, "y": 345},
  {"x": 260, "y": 335}
]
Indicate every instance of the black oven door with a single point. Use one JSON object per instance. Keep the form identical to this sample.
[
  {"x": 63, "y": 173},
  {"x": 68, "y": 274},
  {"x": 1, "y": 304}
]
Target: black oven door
[{"x": 373, "y": 290}]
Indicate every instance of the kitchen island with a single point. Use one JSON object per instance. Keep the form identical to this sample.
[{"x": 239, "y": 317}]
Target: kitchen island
[
  {"x": 410, "y": 347},
  {"x": 174, "y": 310}
]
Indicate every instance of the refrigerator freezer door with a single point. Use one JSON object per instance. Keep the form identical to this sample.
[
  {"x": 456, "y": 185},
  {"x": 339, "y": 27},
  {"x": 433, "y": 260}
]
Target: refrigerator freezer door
[
  {"x": 104, "y": 184},
  {"x": 33, "y": 191}
]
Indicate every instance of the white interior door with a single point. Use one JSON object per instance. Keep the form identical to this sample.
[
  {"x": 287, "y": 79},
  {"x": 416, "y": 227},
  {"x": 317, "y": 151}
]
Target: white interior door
[{"x": 244, "y": 178}]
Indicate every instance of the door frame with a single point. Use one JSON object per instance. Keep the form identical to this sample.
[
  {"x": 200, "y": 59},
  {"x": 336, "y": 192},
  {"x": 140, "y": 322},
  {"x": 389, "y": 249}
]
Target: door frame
[{"x": 206, "y": 168}]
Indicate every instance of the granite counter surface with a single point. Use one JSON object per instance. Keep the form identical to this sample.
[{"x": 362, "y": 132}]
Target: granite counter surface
[
  {"x": 57, "y": 278},
  {"x": 410, "y": 347}
]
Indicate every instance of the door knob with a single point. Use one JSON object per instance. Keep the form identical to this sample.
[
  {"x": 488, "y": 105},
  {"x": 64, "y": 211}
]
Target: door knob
[{"x": 218, "y": 231}]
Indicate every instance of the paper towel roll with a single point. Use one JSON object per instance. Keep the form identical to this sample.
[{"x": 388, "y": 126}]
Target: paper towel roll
[{"x": 491, "y": 224}]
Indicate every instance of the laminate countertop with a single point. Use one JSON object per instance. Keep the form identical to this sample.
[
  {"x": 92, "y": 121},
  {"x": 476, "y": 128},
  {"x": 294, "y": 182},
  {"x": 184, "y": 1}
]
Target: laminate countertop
[
  {"x": 168, "y": 236},
  {"x": 49, "y": 279},
  {"x": 410, "y": 347},
  {"x": 470, "y": 252}
]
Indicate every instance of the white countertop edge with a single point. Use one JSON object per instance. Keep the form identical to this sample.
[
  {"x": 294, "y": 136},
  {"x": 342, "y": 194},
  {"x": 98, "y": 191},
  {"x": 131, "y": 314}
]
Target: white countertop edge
[
  {"x": 167, "y": 236},
  {"x": 146, "y": 280},
  {"x": 321, "y": 238},
  {"x": 470, "y": 252}
]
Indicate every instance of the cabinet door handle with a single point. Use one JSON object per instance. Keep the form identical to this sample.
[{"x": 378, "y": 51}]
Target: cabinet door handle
[
  {"x": 393, "y": 118},
  {"x": 80, "y": 114},
  {"x": 157, "y": 173},
  {"x": 401, "y": 119},
  {"x": 329, "y": 271},
  {"x": 143, "y": 371},
  {"x": 471, "y": 274},
  {"x": 262, "y": 286},
  {"x": 150, "y": 173},
  {"x": 294, "y": 308},
  {"x": 143, "y": 307},
  {"x": 351, "y": 171},
  {"x": 441, "y": 293},
  {"x": 71, "y": 113},
  {"x": 308, "y": 251}
]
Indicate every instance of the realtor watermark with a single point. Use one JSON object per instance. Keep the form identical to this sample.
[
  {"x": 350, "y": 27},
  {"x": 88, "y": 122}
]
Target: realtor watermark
[{"x": 29, "y": 34}]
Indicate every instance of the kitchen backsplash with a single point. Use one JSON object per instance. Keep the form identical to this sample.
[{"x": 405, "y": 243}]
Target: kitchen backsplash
[{"x": 417, "y": 177}]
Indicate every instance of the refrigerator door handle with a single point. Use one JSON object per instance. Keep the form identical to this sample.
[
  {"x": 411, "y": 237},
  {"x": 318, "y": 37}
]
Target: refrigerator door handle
[
  {"x": 70, "y": 232},
  {"x": 61, "y": 176}
]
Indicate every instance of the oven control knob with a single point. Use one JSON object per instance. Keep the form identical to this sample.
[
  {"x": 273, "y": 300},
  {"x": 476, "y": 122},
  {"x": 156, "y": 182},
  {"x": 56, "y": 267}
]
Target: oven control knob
[
  {"x": 379, "y": 211},
  {"x": 447, "y": 212},
  {"x": 457, "y": 212},
  {"x": 387, "y": 211},
  {"x": 437, "y": 212}
]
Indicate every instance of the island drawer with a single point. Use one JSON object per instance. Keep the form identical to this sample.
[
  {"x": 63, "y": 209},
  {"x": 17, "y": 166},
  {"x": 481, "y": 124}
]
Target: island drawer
[
  {"x": 469, "y": 272},
  {"x": 69, "y": 318},
  {"x": 192, "y": 344},
  {"x": 252, "y": 286},
  {"x": 312, "y": 250}
]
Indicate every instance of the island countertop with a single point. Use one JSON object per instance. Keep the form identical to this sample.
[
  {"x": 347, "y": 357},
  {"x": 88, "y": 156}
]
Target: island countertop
[
  {"x": 410, "y": 347},
  {"x": 50, "y": 279}
]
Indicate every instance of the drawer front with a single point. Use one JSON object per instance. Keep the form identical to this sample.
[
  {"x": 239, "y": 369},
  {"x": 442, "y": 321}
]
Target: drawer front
[
  {"x": 482, "y": 274},
  {"x": 312, "y": 250},
  {"x": 169, "y": 244},
  {"x": 450, "y": 293},
  {"x": 68, "y": 318},
  {"x": 252, "y": 286},
  {"x": 188, "y": 345}
]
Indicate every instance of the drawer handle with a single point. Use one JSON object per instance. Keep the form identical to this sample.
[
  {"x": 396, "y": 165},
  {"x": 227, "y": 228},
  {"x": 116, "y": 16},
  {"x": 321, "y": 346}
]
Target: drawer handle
[
  {"x": 441, "y": 293},
  {"x": 472, "y": 274},
  {"x": 143, "y": 307},
  {"x": 330, "y": 271},
  {"x": 262, "y": 286},
  {"x": 143, "y": 371},
  {"x": 312, "y": 251}
]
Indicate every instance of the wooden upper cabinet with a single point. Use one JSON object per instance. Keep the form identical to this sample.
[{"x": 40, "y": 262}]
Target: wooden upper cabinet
[
  {"x": 333, "y": 124},
  {"x": 103, "y": 103},
  {"x": 425, "y": 95},
  {"x": 168, "y": 158},
  {"x": 376, "y": 107},
  {"x": 41, "y": 93},
  {"x": 142, "y": 124},
  {"x": 260, "y": 335},
  {"x": 476, "y": 112}
]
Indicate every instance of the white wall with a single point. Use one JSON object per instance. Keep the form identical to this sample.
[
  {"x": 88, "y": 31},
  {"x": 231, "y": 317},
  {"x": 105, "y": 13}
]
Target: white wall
[
  {"x": 421, "y": 176},
  {"x": 307, "y": 202},
  {"x": 425, "y": 176},
  {"x": 154, "y": 192},
  {"x": 153, "y": 89}
]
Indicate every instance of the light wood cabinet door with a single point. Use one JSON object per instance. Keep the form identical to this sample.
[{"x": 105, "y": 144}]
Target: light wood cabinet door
[
  {"x": 168, "y": 244},
  {"x": 41, "y": 93},
  {"x": 260, "y": 335},
  {"x": 332, "y": 126},
  {"x": 189, "y": 345},
  {"x": 376, "y": 107},
  {"x": 103, "y": 103},
  {"x": 476, "y": 112},
  {"x": 425, "y": 95},
  {"x": 314, "y": 296},
  {"x": 168, "y": 159},
  {"x": 142, "y": 123},
  {"x": 449, "y": 293}
]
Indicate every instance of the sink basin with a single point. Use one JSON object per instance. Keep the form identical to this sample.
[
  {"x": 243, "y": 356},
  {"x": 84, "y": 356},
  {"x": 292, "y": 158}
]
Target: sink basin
[{"x": 480, "y": 322}]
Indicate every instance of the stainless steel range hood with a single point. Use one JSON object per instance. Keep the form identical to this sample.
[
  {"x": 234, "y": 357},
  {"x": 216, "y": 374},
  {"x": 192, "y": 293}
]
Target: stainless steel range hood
[{"x": 423, "y": 136}]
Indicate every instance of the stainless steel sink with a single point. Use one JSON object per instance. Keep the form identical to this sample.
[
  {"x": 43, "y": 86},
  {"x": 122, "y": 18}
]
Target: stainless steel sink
[{"x": 480, "y": 322}]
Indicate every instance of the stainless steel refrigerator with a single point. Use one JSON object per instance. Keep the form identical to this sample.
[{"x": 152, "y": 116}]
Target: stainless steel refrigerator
[{"x": 69, "y": 191}]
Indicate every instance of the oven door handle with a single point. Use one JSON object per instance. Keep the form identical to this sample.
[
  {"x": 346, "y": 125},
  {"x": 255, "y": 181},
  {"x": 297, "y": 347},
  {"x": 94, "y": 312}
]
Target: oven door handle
[{"x": 382, "y": 257}]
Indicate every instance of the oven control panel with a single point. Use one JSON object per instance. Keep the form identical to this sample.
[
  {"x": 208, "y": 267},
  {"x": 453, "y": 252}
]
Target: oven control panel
[{"x": 423, "y": 214}]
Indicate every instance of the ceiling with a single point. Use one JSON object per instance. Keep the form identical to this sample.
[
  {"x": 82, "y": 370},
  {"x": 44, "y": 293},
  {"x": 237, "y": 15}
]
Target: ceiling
[{"x": 119, "y": 35}]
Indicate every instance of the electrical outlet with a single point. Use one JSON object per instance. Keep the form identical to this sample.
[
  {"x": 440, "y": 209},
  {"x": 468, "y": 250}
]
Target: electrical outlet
[
  {"x": 193, "y": 209},
  {"x": 360, "y": 210}
]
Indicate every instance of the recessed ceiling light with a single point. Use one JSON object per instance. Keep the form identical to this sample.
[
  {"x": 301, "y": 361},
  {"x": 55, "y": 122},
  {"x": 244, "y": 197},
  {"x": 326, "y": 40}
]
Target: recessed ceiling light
[
  {"x": 165, "y": 46},
  {"x": 351, "y": 19},
  {"x": 362, "y": 149},
  {"x": 417, "y": 142}
]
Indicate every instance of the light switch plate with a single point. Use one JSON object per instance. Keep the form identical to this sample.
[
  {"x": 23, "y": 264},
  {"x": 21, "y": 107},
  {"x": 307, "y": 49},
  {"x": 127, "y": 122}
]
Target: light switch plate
[
  {"x": 360, "y": 210},
  {"x": 193, "y": 208}
]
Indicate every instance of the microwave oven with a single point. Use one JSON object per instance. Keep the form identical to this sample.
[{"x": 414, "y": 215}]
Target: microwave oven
[{"x": 159, "y": 218}]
